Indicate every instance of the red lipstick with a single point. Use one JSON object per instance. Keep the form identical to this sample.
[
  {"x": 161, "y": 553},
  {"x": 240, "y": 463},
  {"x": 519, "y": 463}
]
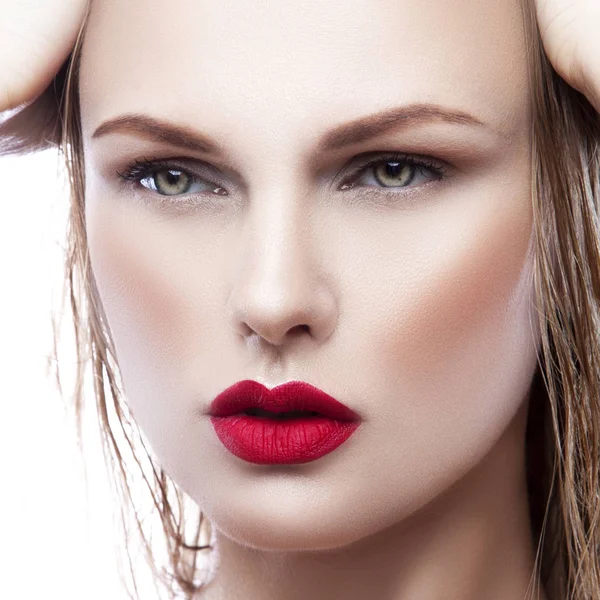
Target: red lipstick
[{"x": 290, "y": 424}]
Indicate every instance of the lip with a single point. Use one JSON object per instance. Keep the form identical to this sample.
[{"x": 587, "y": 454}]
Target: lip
[{"x": 269, "y": 440}]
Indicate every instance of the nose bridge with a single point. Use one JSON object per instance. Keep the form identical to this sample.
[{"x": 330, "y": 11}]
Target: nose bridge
[
  {"x": 278, "y": 286},
  {"x": 274, "y": 246}
]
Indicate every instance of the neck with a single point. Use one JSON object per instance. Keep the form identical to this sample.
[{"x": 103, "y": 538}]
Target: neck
[{"x": 472, "y": 542}]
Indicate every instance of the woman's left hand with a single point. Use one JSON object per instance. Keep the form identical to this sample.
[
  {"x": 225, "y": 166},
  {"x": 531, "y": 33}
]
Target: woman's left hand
[{"x": 570, "y": 31}]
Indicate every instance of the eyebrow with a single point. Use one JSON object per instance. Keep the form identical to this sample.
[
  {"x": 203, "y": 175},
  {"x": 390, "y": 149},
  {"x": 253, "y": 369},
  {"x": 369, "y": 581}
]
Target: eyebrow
[{"x": 346, "y": 134}]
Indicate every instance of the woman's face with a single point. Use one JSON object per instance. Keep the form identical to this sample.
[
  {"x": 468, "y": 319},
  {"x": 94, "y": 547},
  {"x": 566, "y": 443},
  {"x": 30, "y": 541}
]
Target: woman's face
[{"x": 403, "y": 292}]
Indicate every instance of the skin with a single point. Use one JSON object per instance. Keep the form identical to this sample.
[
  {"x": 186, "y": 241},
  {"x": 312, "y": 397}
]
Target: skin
[
  {"x": 412, "y": 308},
  {"x": 568, "y": 29},
  {"x": 35, "y": 40}
]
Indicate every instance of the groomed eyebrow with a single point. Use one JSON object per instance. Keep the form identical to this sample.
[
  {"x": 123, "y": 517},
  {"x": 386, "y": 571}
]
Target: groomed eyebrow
[{"x": 352, "y": 132}]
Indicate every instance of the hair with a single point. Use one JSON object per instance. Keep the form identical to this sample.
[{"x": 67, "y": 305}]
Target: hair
[{"x": 563, "y": 429}]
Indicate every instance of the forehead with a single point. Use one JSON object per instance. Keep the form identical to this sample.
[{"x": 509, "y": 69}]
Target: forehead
[{"x": 235, "y": 67}]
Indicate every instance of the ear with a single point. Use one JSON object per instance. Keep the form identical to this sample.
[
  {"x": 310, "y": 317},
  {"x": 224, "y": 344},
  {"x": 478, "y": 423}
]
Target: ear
[{"x": 38, "y": 125}]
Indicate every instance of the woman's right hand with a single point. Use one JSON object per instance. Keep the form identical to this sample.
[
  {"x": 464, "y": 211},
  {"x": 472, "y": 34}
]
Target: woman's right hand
[{"x": 36, "y": 37}]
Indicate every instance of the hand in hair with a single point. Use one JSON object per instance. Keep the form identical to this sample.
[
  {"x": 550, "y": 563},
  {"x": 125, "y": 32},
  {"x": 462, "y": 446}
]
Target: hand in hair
[
  {"x": 570, "y": 32},
  {"x": 36, "y": 38}
]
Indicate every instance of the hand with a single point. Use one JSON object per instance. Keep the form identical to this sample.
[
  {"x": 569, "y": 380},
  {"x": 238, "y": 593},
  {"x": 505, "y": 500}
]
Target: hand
[
  {"x": 570, "y": 31},
  {"x": 36, "y": 37}
]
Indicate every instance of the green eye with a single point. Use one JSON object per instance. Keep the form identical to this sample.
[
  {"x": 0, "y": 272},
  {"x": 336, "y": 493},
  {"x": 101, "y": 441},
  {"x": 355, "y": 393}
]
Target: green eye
[
  {"x": 170, "y": 182},
  {"x": 167, "y": 178},
  {"x": 392, "y": 173}
]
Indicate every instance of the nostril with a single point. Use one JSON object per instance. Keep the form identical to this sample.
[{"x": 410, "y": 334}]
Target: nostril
[{"x": 301, "y": 329}]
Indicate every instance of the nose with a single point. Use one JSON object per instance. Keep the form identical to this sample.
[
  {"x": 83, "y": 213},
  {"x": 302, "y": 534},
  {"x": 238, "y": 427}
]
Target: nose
[{"x": 281, "y": 289}]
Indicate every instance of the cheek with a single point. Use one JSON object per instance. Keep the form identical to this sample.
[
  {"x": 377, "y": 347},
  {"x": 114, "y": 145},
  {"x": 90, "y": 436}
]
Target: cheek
[
  {"x": 472, "y": 295},
  {"x": 458, "y": 346},
  {"x": 145, "y": 285}
]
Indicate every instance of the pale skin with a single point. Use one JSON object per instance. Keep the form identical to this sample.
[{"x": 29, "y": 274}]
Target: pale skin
[{"x": 413, "y": 308}]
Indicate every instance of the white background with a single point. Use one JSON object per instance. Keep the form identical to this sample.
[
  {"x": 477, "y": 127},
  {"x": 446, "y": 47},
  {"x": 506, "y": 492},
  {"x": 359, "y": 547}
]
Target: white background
[{"x": 54, "y": 542}]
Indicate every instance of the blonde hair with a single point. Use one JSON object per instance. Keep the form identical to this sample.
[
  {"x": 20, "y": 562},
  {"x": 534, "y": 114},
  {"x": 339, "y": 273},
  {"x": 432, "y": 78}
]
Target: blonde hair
[{"x": 563, "y": 431}]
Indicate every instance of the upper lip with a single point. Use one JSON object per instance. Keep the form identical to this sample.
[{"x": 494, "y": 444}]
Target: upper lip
[{"x": 291, "y": 396}]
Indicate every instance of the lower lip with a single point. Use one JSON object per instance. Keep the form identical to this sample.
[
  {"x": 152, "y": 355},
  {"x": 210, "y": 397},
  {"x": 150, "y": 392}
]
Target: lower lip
[{"x": 266, "y": 441}]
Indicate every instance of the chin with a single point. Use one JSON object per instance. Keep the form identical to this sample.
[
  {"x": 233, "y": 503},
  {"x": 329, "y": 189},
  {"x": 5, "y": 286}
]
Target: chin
[{"x": 291, "y": 533}]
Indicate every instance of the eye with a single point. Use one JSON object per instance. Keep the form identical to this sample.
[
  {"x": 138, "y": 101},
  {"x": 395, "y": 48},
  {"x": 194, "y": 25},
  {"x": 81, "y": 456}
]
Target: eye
[
  {"x": 167, "y": 178},
  {"x": 394, "y": 172}
]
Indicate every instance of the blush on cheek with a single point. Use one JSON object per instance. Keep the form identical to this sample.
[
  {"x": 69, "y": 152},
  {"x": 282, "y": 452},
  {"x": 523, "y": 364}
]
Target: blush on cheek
[
  {"x": 140, "y": 292},
  {"x": 472, "y": 310}
]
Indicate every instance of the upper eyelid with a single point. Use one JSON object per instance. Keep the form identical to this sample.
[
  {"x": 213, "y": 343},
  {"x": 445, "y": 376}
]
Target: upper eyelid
[{"x": 422, "y": 162}]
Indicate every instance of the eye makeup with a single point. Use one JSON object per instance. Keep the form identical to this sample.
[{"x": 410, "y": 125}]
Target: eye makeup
[{"x": 394, "y": 164}]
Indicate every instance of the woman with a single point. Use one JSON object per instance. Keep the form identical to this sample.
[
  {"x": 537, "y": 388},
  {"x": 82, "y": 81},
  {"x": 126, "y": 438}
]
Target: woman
[{"x": 377, "y": 218}]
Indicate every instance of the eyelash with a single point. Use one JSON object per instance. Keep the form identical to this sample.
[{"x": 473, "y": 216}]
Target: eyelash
[{"x": 144, "y": 168}]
